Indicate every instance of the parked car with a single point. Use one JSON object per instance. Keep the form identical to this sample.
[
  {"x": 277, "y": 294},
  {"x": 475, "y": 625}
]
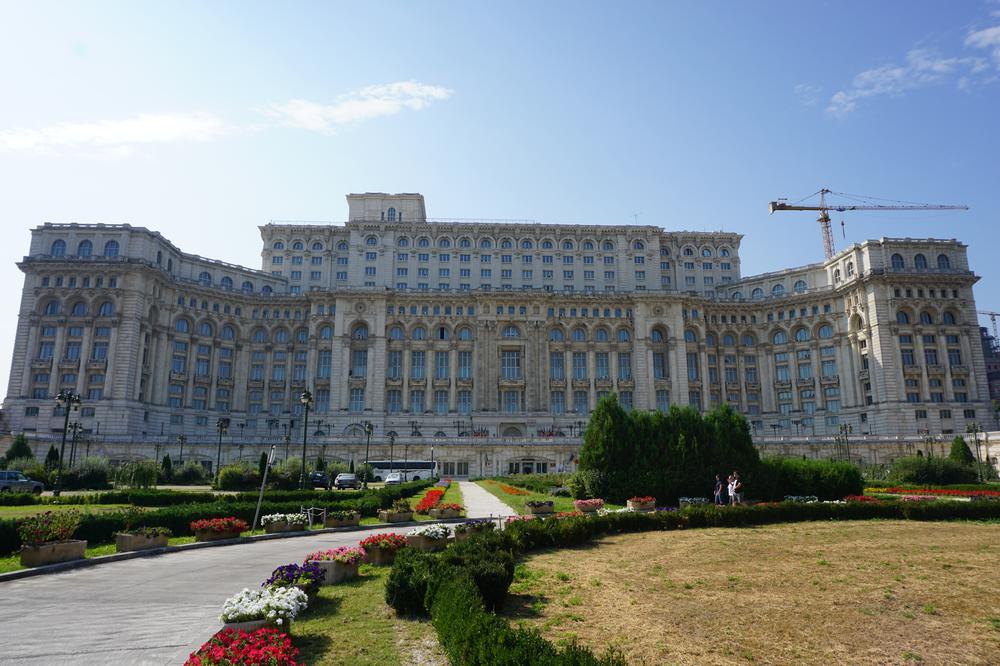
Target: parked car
[
  {"x": 321, "y": 479},
  {"x": 345, "y": 480},
  {"x": 15, "y": 482},
  {"x": 393, "y": 479}
]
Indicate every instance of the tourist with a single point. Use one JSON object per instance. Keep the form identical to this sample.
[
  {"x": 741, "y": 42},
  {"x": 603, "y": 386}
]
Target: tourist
[
  {"x": 718, "y": 490},
  {"x": 730, "y": 488},
  {"x": 737, "y": 488}
]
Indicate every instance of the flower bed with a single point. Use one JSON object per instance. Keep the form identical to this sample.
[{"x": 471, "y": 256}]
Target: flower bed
[
  {"x": 450, "y": 510},
  {"x": 947, "y": 492},
  {"x": 214, "y": 529},
  {"x": 338, "y": 564},
  {"x": 430, "y": 500},
  {"x": 645, "y": 503},
  {"x": 46, "y": 538},
  {"x": 263, "y": 646},
  {"x": 801, "y": 498},
  {"x": 275, "y": 605},
  {"x": 142, "y": 538},
  {"x": 478, "y": 526},
  {"x": 588, "y": 505},
  {"x": 511, "y": 490},
  {"x": 380, "y": 549},
  {"x": 284, "y": 522},
  {"x": 306, "y": 577}
]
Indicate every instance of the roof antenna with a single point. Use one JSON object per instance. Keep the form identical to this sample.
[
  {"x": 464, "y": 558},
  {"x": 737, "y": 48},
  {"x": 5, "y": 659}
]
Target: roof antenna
[
  {"x": 843, "y": 230},
  {"x": 635, "y": 216}
]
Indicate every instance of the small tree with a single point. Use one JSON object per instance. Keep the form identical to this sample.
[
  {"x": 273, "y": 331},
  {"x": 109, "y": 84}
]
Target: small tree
[
  {"x": 19, "y": 449},
  {"x": 352, "y": 465},
  {"x": 52, "y": 458},
  {"x": 262, "y": 464},
  {"x": 168, "y": 467},
  {"x": 960, "y": 451},
  {"x": 320, "y": 464}
]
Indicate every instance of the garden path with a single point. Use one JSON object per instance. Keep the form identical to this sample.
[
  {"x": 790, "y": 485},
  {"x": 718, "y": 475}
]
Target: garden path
[
  {"x": 480, "y": 503},
  {"x": 145, "y": 611}
]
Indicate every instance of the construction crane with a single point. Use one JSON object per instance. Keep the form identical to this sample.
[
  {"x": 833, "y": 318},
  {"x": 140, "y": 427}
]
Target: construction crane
[
  {"x": 993, "y": 320},
  {"x": 863, "y": 203}
]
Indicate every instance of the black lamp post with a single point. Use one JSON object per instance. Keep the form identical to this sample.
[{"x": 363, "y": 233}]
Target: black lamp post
[
  {"x": 222, "y": 425},
  {"x": 75, "y": 428},
  {"x": 68, "y": 401},
  {"x": 406, "y": 456},
  {"x": 975, "y": 429},
  {"x": 181, "y": 439},
  {"x": 392, "y": 441},
  {"x": 433, "y": 468},
  {"x": 368, "y": 444},
  {"x": 845, "y": 430},
  {"x": 307, "y": 400},
  {"x": 288, "y": 439}
]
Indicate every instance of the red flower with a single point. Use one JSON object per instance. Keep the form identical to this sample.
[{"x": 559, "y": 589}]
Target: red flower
[{"x": 258, "y": 648}]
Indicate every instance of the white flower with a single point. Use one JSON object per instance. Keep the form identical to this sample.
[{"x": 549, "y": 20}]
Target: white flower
[{"x": 430, "y": 531}]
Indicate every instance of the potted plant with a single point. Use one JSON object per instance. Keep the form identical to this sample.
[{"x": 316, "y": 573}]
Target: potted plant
[
  {"x": 380, "y": 549},
  {"x": 338, "y": 564},
  {"x": 446, "y": 511},
  {"x": 306, "y": 577},
  {"x": 538, "y": 507},
  {"x": 241, "y": 647},
  {"x": 399, "y": 513},
  {"x": 643, "y": 503},
  {"x": 342, "y": 519},
  {"x": 284, "y": 522},
  {"x": 46, "y": 538},
  {"x": 588, "y": 505},
  {"x": 470, "y": 527},
  {"x": 216, "y": 529},
  {"x": 428, "y": 538},
  {"x": 139, "y": 537},
  {"x": 252, "y": 609}
]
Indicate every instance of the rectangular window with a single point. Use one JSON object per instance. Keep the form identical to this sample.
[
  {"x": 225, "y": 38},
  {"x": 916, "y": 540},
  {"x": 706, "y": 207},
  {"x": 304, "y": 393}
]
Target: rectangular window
[
  {"x": 829, "y": 368},
  {"x": 359, "y": 363},
  {"x": 692, "y": 366},
  {"x": 393, "y": 401},
  {"x": 394, "y": 365},
  {"x": 323, "y": 366},
  {"x": 417, "y": 365},
  {"x": 580, "y": 402},
  {"x": 357, "y": 400},
  {"x": 624, "y": 365},
  {"x": 625, "y": 399},
  {"x": 557, "y": 402},
  {"x": 663, "y": 400},
  {"x": 907, "y": 356},
  {"x": 579, "y": 365},
  {"x": 417, "y": 401},
  {"x": 465, "y": 402},
  {"x": 660, "y": 365},
  {"x": 602, "y": 365},
  {"x": 557, "y": 369},
  {"x": 511, "y": 402},
  {"x": 465, "y": 365},
  {"x": 440, "y": 402},
  {"x": 72, "y": 351},
  {"x": 441, "y": 370},
  {"x": 510, "y": 365}
]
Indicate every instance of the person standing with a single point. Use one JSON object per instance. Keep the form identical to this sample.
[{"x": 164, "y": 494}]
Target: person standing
[
  {"x": 718, "y": 490},
  {"x": 737, "y": 488},
  {"x": 730, "y": 488}
]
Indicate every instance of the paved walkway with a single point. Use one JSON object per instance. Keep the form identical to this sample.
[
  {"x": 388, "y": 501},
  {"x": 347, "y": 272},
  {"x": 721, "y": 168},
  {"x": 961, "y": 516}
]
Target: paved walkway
[
  {"x": 147, "y": 611},
  {"x": 480, "y": 503}
]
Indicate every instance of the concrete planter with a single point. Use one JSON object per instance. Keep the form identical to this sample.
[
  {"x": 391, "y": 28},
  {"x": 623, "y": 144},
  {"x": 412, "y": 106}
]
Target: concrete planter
[
  {"x": 311, "y": 591},
  {"x": 462, "y": 536},
  {"x": 336, "y": 572},
  {"x": 211, "y": 535},
  {"x": 283, "y": 526},
  {"x": 395, "y": 517},
  {"x": 51, "y": 553},
  {"x": 249, "y": 625},
  {"x": 540, "y": 510},
  {"x": 445, "y": 513},
  {"x": 380, "y": 557},
  {"x": 426, "y": 544},
  {"x": 125, "y": 542},
  {"x": 337, "y": 522},
  {"x": 641, "y": 506}
]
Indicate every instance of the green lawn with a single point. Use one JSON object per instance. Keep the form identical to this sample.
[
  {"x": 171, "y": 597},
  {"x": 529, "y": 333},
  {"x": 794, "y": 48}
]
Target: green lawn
[
  {"x": 517, "y": 501},
  {"x": 350, "y": 623}
]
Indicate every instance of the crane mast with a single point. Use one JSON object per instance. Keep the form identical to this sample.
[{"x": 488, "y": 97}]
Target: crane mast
[{"x": 864, "y": 203}]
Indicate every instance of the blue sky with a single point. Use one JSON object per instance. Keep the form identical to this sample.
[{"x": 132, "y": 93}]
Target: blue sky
[{"x": 204, "y": 120}]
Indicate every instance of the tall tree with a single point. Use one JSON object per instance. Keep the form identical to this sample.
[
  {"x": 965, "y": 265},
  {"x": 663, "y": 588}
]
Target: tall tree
[{"x": 19, "y": 448}]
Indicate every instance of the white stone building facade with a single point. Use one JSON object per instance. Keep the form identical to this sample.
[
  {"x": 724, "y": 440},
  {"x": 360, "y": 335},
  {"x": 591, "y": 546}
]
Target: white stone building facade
[{"x": 507, "y": 329}]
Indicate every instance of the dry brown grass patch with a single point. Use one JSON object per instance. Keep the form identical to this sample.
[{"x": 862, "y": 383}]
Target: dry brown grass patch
[{"x": 885, "y": 592}]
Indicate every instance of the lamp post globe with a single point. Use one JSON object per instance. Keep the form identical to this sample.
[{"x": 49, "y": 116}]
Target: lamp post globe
[
  {"x": 307, "y": 401},
  {"x": 369, "y": 428},
  {"x": 68, "y": 401}
]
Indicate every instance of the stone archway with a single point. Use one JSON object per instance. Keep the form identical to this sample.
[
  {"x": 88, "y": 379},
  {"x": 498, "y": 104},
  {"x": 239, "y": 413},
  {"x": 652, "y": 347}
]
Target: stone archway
[{"x": 512, "y": 431}]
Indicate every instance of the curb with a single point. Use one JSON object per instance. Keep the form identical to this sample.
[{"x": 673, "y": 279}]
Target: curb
[{"x": 151, "y": 552}]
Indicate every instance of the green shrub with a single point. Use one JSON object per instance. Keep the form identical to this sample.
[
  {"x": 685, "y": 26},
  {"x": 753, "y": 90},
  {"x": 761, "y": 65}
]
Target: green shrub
[
  {"x": 48, "y": 527},
  {"x": 960, "y": 451},
  {"x": 920, "y": 469},
  {"x": 167, "y": 469},
  {"x": 90, "y": 474},
  {"x": 237, "y": 477},
  {"x": 190, "y": 474},
  {"x": 539, "y": 483},
  {"x": 19, "y": 449},
  {"x": 406, "y": 586},
  {"x": 778, "y": 477},
  {"x": 138, "y": 474}
]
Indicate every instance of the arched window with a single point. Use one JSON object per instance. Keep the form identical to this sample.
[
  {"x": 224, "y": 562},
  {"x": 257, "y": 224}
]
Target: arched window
[
  {"x": 546, "y": 245},
  {"x": 204, "y": 278},
  {"x": 248, "y": 287},
  {"x": 749, "y": 341},
  {"x": 105, "y": 309},
  {"x": 656, "y": 335},
  {"x": 624, "y": 335},
  {"x": 948, "y": 318},
  {"x": 159, "y": 257},
  {"x": 52, "y": 308},
  {"x": 601, "y": 335},
  {"x": 297, "y": 245},
  {"x": 260, "y": 336},
  {"x": 802, "y": 335},
  {"x": 317, "y": 247},
  {"x": 59, "y": 248},
  {"x": 486, "y": 243},
  {"x": 902, "y": 317},
  {"x": 465, "y": 243},
  {"x": 465, "y": 333},
  {"x": 690, "y": 336},
  {"x": 706, "y": 252},
  {"x": 301, "y": 336},
  {"x": 556, "y": 335},
  {"x": 724, "y": 252},
  {"x": 511, "y": 332},
  {"x": 898, "y": 262},
  {"x": 442, "y": 333},
  {"x": 403, "y": 242},
  {"x": 757, "y": 293},
  {"x": 943, "y": 261},
  {"x": 371, "y": 241},
  {"x": 826, "y": 331},
  {"x": 567, "y": 245},
  {"x": 737, "y": 295},
  {"x": 836, "y": 275},
  {"x": 396, "y": 333},
  {"x": 638, "y": 245},
  {"x": 281, "y": 336},
  {"x": 170, "y": 265},
  {"x": 111, "y": 248},
  {"x": 326, "y": 333},
  {"x": 799, "y": 287},
  {"x": 182, "y": 326},
  {"x": 608, "y": 246},
  {"x": 342, "y": 246},
  {"x": 728, "y": 340},
  {"x": 226, "y": 282},
  {"x": 779, "y": 338},
  {"x": 424, "y": 242},
  {"x": 391, "y": 214},
  {"x": 688, "y": 252},
  {"x": 419, "y": 333},
  {"x": 444, "y": 242},
  {"x": 778, "y": 290},
  {"x": 926, "y": 318},
  {"x": 278, "y": 245},
  {"x": 205, "y": 329},
  {"x": 710, "y": 339},
  {"x": 266, "y": 290},
  {"x": 850, "y": 268},
  {"x": 526, "y": 244},
  {"x": 79, "y": 309},
  {"x": 920, "y": 261},
  {"x": 228, "y": 332},
  {"x": 506, "y": 244},
  {"x": 588, "y": 245},
  {"x": 85, "y": 248},
  {"x": 579, "y": 334}
]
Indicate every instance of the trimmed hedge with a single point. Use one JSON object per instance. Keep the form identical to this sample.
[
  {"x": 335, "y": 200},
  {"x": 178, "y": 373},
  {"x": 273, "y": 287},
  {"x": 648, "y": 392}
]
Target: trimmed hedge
[
  {"x": 921, "y": 469},
  {"x": 777, "y": 477}
]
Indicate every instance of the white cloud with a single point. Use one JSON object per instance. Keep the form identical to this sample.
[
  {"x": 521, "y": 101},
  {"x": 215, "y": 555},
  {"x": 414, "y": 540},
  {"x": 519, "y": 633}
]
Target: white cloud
[
  {"x": 115, "y": 136},
  {"x": 922, "y": 68},
  {"x": 363, "y": 104},
  {"x": 988, "y": 38},
  {"x": 808, "y": 94}
]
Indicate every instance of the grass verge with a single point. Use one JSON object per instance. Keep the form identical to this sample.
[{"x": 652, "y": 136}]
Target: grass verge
[{"x": 518, "y": 501}]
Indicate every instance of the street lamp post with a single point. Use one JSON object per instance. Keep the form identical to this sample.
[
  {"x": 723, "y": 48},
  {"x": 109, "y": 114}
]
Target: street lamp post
[
  {"x": 75, "y": 428},
  {"x": 181, "y": 439},
  {"x": 975, "y": 429},
  {"x": 222, "y": 425},
  {"x": 69, "y": 401},
  {"x": 845, "y": 430},
  {"x": 406, "y": 456},
  {"x": 307, "y": 400},
  {"x": 368, "y": 444},
  {"x": 433, "y": 470},
  {"x": 392, "y": 441}
]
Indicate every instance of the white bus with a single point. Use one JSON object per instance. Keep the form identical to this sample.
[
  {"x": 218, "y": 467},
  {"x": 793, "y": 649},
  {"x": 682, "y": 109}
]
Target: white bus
[{"x": 412, "y": 470}]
